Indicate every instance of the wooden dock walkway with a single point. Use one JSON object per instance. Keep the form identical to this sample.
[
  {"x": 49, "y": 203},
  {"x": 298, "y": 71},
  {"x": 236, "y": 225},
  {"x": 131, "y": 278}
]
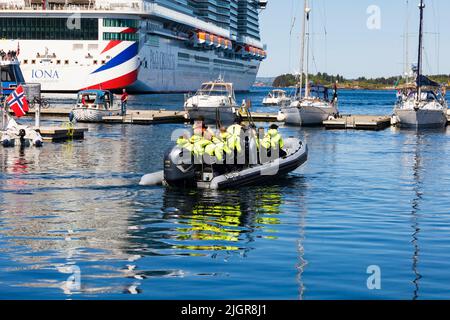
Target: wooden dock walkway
[
  {"x": 359, "y": 122},
  {"x": 149, "y": 117}
]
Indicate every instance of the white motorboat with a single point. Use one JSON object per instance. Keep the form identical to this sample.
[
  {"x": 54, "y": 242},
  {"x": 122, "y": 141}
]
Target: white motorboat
[
  {"x": 312, "y": 105},
  {"x": 277, "y": 98},
  {"x": 421, "y": 104},
  {"x": 215, "y": 101},
  {"x": 14, "y": 134},
  {"x": 93, "y": 105}
]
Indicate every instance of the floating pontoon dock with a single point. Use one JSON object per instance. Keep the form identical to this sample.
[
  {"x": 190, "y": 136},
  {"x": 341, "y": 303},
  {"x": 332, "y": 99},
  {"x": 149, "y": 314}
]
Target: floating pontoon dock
[
  {"x": 359, "y": 122},
  {"x": 54, "y": 134},
  {"x": 149, "y": 117}
]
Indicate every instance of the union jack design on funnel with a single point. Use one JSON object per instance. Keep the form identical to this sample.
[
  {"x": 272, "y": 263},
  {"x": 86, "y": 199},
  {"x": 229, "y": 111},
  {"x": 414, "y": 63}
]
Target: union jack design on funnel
[{"x": 121, "y": 70}]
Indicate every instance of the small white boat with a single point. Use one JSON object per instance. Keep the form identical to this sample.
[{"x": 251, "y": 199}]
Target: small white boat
[
  {"x": 313, "y": 109},
  {"x": 93, "y": 105},
  {"x": 423, "y": 103},
  {"x": 277, "y": 98},
  {"x": 14, "y": 134},
  {"x": 215, "y": 101}
]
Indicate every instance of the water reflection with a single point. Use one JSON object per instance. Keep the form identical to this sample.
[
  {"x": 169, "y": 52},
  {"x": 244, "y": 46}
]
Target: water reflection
[
  {"x": 103, "y": 226},
  {"x": 221, "y": 221},
  {"x": 416, "y": 142},
  {"x": 417, "y": 174},
  {"x": 302, "y": 262}
]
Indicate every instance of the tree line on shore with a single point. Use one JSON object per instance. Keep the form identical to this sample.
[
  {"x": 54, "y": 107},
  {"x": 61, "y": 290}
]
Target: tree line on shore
[{"x": 290, "y": 80}]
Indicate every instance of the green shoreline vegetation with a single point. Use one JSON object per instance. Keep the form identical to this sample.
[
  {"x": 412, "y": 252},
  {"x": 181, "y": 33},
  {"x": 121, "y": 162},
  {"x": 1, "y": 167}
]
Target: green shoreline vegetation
[{"x": 289, "y": 80}]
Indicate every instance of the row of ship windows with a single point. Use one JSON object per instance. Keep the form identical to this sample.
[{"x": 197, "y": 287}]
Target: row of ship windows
[
  {"x": 48, "y": 29},
  {"x": 122, "y": 23},
  {"x": 59, "y": 62},
  {"x": 186, "y": 57},
  {"x": 121, "y": 36}
]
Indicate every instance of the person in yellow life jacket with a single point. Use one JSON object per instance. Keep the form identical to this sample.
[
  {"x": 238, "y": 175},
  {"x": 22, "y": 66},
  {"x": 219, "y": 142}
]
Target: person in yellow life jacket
[
  {"x": 198, "y": 127},
  {"x": 185, "y": 143},
  {"x": 223, "y": 137},
  {"x": 234, "y": 140},
  {"x": 273, "y": 140},
  {"x": 201, "y": 141}
]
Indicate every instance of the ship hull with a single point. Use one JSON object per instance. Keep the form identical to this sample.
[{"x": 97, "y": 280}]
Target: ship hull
[
  {"x": 142, "y": 46},
  {"x": 209, "y": 114},
  {"x": 153, "y": 69}
]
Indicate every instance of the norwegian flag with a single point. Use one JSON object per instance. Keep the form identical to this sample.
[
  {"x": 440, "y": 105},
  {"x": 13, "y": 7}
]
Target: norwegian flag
[{"x": 18, "y": 102}]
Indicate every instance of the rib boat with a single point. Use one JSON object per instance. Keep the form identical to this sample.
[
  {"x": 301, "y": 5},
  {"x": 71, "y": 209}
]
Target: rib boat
[
  {"x": 180, "y": 173},
  {"x": 13, "y": 134}
]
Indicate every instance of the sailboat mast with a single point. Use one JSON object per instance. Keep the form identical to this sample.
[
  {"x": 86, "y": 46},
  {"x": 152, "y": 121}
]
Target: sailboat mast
[
  {"x": 307, "y": 12},
  {"x": 419, "y": 62},
  {"x": 407, "y": 43},
  {"x": 302, "y": 51}
]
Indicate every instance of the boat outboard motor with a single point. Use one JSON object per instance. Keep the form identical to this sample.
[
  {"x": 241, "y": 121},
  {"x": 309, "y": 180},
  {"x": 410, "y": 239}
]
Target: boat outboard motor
[
  {"x": 22, "y": 134},
  {"x": 177, "y": 173}
]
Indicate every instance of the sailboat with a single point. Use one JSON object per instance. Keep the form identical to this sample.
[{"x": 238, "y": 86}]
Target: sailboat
[
  {"x": 316, "y": 105},
  {"x": 422, "y": 103}
]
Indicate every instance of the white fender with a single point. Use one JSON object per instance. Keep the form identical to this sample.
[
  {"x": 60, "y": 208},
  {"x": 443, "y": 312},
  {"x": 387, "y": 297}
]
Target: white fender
[
  {"x": 281, "y": 117},
  {"x": 152, "y": 179},
  {"x": 395, "y": 120}
]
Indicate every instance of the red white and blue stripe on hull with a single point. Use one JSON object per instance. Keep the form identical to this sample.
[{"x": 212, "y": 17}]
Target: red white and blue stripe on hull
[{"x": 121, "y": 70}]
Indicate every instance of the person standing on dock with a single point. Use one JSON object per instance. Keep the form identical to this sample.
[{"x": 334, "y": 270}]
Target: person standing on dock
[{"x": 124, "y": 100}]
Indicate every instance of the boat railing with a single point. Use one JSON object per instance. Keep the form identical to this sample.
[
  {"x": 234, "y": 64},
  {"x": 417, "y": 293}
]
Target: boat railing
[{"x": 136, "y": 5}]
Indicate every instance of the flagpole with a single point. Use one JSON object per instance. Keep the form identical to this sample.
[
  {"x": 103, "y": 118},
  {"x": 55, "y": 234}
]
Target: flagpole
[{"x": 37, "y": 116}]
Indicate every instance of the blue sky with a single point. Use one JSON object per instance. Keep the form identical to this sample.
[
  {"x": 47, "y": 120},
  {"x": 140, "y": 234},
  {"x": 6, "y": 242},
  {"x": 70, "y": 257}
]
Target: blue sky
[{"x": 349, "y": 47}]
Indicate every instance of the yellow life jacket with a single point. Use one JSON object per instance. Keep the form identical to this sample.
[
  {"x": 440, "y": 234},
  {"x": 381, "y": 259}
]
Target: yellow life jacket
[
  {"x": 234, "y": 139},
  {"x": 195, "y": 138},
  {"x": 275, "y": 139},
  {"x": 199, "y": 146},
  {"x": 209, "y": 149},
  {"x": 185, "y": 144},
  {"x": 234, "y": 130},
  {"x": 272, "y": 140},
  {"x": 224, "y": 136}
]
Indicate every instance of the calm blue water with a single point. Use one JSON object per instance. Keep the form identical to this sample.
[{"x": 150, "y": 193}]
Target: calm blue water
[{"x": 363, "y": 199}]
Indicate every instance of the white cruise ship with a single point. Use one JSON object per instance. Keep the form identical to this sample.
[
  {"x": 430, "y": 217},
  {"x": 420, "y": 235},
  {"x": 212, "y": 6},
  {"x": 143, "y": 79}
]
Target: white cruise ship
[{"x": 141, "y": 45}]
